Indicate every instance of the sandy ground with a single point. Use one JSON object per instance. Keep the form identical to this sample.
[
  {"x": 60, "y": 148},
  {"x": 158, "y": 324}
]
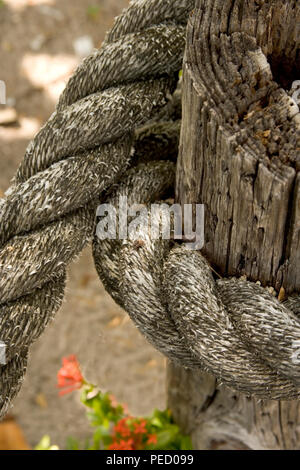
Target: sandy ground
[{"x": 37, "y": 56}]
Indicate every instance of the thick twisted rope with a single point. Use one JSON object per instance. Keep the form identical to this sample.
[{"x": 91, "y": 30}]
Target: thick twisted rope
[
  {"x": 233, "y": 328},
  {"x": 49, "y": 215}
]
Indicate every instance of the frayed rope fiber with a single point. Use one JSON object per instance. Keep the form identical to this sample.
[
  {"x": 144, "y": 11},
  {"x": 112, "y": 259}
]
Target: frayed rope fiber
[{"x": 83, "y": 156}]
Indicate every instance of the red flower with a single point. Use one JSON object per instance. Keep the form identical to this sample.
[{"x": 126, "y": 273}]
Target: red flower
[
  {"x": 122, "y": 428},
  {"x": 152, "y": 439},
  {"x": 123, "y": 445},
  {"x": 126, "y": 445},
  {"x": 140, "y": 428},
  {"x": 113, "y": 446},
  {"x": 69, "y": 377}
]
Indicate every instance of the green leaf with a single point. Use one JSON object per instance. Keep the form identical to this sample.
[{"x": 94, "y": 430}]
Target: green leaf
[
  {"x": 72, "y": 444},
  {"x": 86, "y": 444},
  {"x": 165, "y": 438},
  {"x": 186, "y": 443},
  {"x": 45, "y": 444},
  {"x": 97, "y": 438}
]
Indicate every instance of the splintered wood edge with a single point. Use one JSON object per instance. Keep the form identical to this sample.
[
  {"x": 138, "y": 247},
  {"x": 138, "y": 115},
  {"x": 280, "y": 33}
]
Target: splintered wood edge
[{"x": 251, "y": 127}]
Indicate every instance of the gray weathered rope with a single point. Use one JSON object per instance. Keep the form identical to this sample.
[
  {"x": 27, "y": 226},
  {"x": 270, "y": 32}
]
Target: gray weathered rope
[
  {"x": 173, "y": 299},
  {"x": 49, "y": 215}
]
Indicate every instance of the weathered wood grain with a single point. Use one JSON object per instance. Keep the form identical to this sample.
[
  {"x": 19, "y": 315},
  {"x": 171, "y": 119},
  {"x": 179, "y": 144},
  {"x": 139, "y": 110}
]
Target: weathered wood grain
[
  {"x": 239, "y": 155},
  {"x": 239, "y": 150}
]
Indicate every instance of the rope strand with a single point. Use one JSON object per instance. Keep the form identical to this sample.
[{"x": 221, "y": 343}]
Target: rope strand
[{"x": 231, "y": 328}]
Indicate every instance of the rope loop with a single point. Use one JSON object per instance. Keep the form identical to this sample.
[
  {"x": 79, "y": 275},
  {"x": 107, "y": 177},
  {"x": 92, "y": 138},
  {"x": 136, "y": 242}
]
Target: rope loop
[{"x": 116, "y": 117}]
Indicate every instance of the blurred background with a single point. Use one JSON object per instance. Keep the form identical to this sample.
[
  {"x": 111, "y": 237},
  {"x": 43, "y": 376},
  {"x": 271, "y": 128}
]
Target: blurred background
[{"x": 41, "y": 43}]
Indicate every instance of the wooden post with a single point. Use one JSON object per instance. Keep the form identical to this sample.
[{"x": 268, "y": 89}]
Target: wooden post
[{"x": 239, "y": 155}]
